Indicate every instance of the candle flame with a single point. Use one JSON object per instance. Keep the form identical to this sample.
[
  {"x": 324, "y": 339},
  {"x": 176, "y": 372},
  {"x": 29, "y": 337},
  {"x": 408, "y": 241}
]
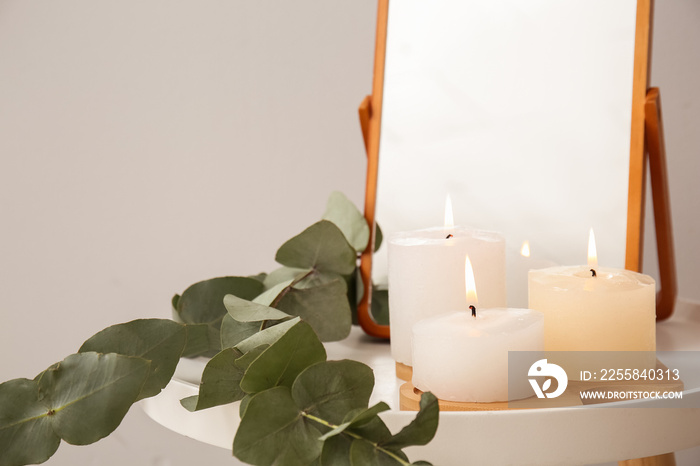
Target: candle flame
[
  {"x": 449, "y": 217},
  {"x": 525, "y": 250},
  {"x": 592, "y": 254},
  {"x": 470, "y": 283}
]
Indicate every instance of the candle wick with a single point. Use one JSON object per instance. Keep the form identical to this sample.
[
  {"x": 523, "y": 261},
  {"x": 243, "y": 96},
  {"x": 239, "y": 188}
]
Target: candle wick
[
  {"x": 449, "y": 236},
  {"x": 473, "y": 311},
  {"x": 593, "y": 274}
]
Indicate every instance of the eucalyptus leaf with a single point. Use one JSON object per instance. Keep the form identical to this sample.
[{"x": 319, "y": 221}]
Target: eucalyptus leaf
[
  {"x": 259, "y": 277},
  {"x": 267, "y": 336},
  {"x": 336, "y": 451},
  {"x": 322, "y": 247},
  {"x": 422, "y": 429},
  {"x": 233, "y": 332},
  {"x": 378, "y": 237},
  {"x": 343, "y": 213},
  {"x": 280, "y": 364},
  {"x": 364, "y": 453},
  {"x": 197, "y": 340},
  {"x": 273, "y": 432},
  {"x": 283, "y": 274},
  {"x": 364, "y": 416},
  {"x": 324, "y": 307},
  {"x": 26, "y": 436},
  {"x": 202, "y": 303},
  {"x": 244, "y": 405},
  {"x": 88, "y": 394},
  {"x": 249, "y": 311},
  {"x": 316, "y": 278},
  {"x": 380, "y": 305},
  {"x": 221, "y": 378},
  {"x": 175, "y": 299},
  {"x": 331, "y": 389},
  {"x": 160, "y": 341},
  {"x": 269, "y": 295}
]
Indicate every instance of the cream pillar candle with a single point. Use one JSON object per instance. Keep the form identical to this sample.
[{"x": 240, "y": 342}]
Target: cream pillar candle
[
  {"x": 426, "y": 277},
  {"x": 463, "y": 358},
  {"x": 591, "y": 308},
  {"x": 613, "y": 311}
]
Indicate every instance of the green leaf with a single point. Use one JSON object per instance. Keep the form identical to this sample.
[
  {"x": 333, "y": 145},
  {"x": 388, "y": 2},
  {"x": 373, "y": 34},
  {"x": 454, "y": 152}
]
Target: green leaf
[
  {"x": 88, "y": 394},
  {"x": 363, "y": 453},
  {"x": 259, "y": 277},
  {"x": 357, "y": 417},
  {"x": 248, "y": 311},
  {"x": 362, "y": 417},
  {"x": 336, "y": 451},
  {"x": 244, "y": 405},
  {"x": 280, "y": 364},
  {"x": 267, "y": 336},
  {"x": 203, "y": 303},
  {"x": 197, "y": 340},
  {"x": 26, "y": 437},
  {"x": 380, "y": 305},
  {"x": 160, "y": 341},
  {"x": 355, "y": 292},
  {"x": 283, "y": 274},
  {"x": 324, "y": 307},
  {"x": 221, "y": 378},
  {"x": 422, "y": 429},
  {"x": 331, "y": 389},
  {"x": 322, "y": 246},
  {"x": 233, "y": 332},
  {"x": 269, "y": 296},
  {"x": 343, "y": 213},
  {"x": 174, "y": 301},
  {"x": 272, "y": 431},
  {"x": 378, "y": 237}
]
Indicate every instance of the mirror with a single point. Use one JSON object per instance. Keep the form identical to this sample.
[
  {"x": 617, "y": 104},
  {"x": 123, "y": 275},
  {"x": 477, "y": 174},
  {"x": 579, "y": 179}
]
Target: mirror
[{"x": 522, "y": 112}]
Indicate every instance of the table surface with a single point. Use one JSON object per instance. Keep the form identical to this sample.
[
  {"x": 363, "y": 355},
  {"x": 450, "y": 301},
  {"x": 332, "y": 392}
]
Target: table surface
[{"x": 576, "y": 435}]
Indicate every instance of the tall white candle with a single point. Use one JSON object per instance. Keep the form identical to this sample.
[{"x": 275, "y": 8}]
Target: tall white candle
[{"x": 426, "y": 277}]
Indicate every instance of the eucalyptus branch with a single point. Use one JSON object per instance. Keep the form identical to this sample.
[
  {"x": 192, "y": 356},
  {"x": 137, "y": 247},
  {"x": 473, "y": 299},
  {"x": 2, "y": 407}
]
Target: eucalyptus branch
[
  {"x": 264, "y": 324},
  {"x": 355, "y": 436},
  {"x": 284, "y": 292}
]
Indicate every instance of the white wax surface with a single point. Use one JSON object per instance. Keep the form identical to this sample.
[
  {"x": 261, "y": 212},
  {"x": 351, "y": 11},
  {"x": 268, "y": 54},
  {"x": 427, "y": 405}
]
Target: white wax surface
[
  {"x": 426, "y": 277},
  {"x": 615, "y": 311},
  {"x": 462, "y": 358}
]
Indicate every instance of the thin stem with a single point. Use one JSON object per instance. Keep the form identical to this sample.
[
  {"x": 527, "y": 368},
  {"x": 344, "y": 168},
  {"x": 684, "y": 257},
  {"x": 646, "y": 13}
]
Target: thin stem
[
  {"x": 355, "y": 436},
  {"x": 276, "y": 301},
  {"x": 289, "y": 287}
]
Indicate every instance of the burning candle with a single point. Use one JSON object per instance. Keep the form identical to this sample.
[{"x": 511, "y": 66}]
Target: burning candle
[
  {"x": 463, "y": 356},
  {"x": 426, "y": 276},
  {"x": 592, "y": 308},
  {"x": 518, "y": 264}
]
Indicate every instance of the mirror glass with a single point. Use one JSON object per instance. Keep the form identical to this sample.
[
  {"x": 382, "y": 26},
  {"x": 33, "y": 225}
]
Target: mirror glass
[{"x": 521, "y": 111}]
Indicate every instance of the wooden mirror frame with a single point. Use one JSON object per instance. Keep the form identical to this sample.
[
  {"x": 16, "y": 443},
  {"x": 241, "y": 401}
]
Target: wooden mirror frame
[{"x": 646, "y": 138}]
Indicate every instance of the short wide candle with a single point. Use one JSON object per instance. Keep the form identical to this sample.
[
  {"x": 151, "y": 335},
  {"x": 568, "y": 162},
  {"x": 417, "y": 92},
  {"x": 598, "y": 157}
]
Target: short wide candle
[
  {"x": 613, "y": 311},
  {"x": 426, "y": 277},
  {"x": 458, "y": 357}
]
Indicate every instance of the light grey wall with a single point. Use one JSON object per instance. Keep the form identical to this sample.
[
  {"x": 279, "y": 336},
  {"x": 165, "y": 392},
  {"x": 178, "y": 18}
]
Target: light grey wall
[{"x": 148, "y": 145}]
